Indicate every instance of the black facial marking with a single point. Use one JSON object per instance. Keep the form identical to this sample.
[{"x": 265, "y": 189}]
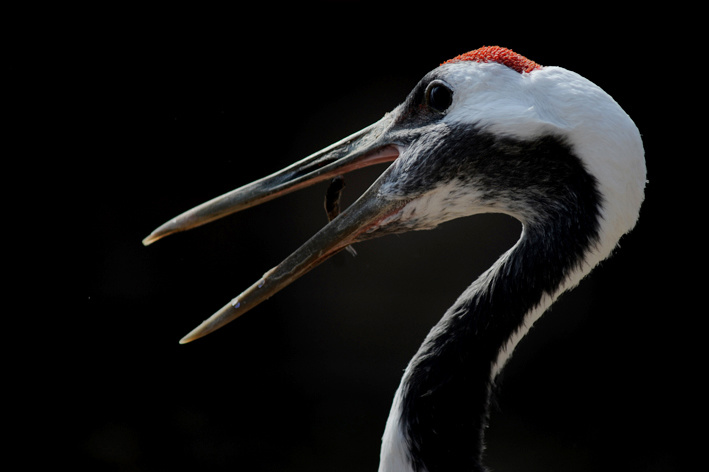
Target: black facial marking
[{"x": 427, "y": 103}]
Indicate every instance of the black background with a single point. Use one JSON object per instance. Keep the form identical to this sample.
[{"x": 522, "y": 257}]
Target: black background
[{"x": 122, "y": 118}]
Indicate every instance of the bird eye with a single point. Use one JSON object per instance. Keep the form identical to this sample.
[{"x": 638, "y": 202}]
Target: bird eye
[{"x": 438, "y": 96}]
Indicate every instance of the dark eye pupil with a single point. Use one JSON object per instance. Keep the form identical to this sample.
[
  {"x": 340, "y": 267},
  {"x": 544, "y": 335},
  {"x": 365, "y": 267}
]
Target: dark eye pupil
[{"x": 440, "y": 97}]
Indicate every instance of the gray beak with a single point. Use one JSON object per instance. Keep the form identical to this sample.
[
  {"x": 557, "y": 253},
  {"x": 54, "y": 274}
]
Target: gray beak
[{"x": 361, "y": 149}]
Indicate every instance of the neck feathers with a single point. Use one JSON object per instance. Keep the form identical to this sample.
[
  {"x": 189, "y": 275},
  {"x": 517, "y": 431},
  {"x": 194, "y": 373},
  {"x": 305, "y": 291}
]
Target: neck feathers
[{"x": 441, "y": 408}]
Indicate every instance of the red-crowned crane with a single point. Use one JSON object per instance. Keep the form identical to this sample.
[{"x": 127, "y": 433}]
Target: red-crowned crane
[{"x": 487, "y": 131}]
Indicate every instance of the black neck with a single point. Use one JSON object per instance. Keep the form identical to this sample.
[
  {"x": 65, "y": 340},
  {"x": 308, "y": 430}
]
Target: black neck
[{"x": 447, "y": 387}]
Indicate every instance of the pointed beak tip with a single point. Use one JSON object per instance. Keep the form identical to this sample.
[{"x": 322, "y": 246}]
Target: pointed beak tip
[
  {"x": 192, "y": 336},
  {"x": 154, "y": 236},
  {"x": 226, "y": 314}
]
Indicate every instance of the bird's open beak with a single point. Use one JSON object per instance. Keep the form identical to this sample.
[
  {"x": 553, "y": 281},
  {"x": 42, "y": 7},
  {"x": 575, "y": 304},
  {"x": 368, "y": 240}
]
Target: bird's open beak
[{"x": 359, "y": 150}]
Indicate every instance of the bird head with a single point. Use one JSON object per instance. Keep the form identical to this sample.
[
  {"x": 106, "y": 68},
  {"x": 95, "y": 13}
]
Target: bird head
[{"x": 487, "y": 131}]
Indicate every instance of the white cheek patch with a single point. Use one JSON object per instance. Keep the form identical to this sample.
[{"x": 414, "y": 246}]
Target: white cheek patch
[{"x": 446, "y": 202}]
